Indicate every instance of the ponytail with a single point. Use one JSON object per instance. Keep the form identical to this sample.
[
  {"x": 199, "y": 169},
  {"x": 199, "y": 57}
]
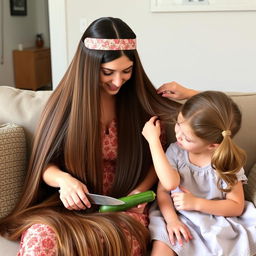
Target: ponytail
[{"x": 227, "y": 160}]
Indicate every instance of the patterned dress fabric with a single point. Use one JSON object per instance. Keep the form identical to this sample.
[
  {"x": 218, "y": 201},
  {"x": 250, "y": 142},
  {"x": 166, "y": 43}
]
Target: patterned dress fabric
[
  {"x": 40, "y": 240},
  {"x": 212, "y": 235}
]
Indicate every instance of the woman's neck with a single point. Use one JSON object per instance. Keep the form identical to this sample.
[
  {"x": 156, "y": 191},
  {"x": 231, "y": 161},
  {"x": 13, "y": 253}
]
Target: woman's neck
[{"x": 108, "y": 111}]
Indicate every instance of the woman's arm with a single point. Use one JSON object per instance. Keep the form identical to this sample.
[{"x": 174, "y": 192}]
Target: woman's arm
[
  {"x": 72, "y": 191},
  {"x": 53, "y": 176},
  {"x": 148, "y": 182},
  {"x": 176, "y": 91},
  {"x": 145, "y": 185},
  {"x": 233, "y": 205}
]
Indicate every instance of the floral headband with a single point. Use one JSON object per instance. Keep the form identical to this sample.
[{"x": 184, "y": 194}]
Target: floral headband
[{"x": 109, "y": 44}]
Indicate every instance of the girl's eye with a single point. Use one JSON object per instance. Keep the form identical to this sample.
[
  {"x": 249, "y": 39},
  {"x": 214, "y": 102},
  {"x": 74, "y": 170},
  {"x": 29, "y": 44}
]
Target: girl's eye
[
  {"x": 188, "y": 140},
  {"x": 177, "y": 124}
]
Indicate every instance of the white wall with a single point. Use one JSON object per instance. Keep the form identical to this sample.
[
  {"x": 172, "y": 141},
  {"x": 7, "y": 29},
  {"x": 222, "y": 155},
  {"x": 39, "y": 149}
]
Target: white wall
[
  {"x": 58, "y": 32},
  {"x": 22, "y": 30},
  {"x": 202, "y": 50}
]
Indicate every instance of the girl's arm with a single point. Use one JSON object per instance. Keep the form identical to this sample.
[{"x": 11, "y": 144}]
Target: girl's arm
[
  {"x": 72, "y": 191},
  {"x": 232, "y": 206},
  {"x": 168, "y": 176},
  {"x": 176, "y": 228}
]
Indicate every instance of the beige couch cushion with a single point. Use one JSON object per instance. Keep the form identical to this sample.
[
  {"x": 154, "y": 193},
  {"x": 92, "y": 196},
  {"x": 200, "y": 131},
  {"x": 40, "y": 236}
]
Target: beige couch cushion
[
  {"x": 250, "y": 188},
  {"x": 246, "y": 137},
  {"x": 22, "y": 107},
  {"x": 12, "y": 166}
]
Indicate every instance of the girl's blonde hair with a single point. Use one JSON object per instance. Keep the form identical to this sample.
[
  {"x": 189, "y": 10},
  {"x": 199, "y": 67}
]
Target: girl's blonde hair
[{"x": 216, "y": 118}]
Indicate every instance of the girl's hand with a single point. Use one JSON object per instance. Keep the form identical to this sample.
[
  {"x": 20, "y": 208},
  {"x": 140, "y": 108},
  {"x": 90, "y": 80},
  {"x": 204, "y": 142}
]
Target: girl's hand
[
  {"x": 174, "y": 90},
  {"x": 152, "y": 130},
  {"x": 177, "y": 229},
  {"x": 73, "y": 193},
  {"x": 184, "y": 200},
  {"x": 140, "y": 207}
]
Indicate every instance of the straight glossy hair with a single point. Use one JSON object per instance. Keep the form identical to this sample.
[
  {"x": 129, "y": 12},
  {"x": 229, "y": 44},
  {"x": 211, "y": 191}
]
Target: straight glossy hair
[
  {"x": 69, "y": 135},
  {"x": 210, "y": 113}
]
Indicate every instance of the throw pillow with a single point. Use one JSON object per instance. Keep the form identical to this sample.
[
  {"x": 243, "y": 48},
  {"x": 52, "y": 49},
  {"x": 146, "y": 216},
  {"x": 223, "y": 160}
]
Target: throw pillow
[
  {"x": 250, "y": 188},
  {"x": 12, "y": 166}
]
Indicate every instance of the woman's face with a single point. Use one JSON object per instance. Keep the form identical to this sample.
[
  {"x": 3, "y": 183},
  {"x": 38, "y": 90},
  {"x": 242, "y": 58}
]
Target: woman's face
[{"x": 114, "y": 74}]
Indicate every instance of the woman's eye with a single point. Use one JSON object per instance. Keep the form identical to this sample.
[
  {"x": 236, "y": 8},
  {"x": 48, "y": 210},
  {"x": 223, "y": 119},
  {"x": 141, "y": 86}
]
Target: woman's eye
[
  {"x": 107, "y": 73},
  {"x": 127, "y": 71}
]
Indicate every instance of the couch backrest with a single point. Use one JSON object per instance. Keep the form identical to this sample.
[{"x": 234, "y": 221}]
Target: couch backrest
[
  {"x": 246, "y": 137},
  {"x": 24, "y": 107}
]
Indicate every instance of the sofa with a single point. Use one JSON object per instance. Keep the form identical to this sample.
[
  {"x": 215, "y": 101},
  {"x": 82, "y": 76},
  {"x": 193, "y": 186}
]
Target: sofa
[{"x": 19, "y": 113}]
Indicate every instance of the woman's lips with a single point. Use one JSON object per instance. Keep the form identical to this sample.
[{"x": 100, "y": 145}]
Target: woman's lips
[{"x": 113, "y": 88}]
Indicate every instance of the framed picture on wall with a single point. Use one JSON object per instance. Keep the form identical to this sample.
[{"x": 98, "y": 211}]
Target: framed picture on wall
[{"x": 18, "y": 7}]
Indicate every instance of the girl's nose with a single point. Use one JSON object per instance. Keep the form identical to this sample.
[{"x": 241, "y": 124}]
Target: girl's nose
[
  {"x": 179, "y": 137},
  {"x": 178, "y": 134}
]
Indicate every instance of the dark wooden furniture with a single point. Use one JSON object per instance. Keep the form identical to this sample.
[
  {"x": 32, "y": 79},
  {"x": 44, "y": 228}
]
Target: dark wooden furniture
[{"x": 32, "y": 68}]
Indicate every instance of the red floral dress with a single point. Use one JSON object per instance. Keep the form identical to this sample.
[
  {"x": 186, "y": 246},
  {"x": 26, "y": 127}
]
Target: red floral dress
[{"x": 40, "y": 239}]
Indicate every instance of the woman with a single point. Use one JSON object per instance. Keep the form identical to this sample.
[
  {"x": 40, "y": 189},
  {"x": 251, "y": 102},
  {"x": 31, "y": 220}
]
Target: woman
[{"x": 89, "y": 139}]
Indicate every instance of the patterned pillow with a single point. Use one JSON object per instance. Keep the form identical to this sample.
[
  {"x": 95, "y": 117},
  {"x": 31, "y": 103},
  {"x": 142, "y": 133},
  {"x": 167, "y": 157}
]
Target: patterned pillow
[
  {"x": 250, "y": 188},
  {"x": 12, "y": 166}
]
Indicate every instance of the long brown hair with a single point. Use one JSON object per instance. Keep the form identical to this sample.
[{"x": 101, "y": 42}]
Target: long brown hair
[
  {"x": 212, "y": 115},
  {"x": 69, "y": 135}
]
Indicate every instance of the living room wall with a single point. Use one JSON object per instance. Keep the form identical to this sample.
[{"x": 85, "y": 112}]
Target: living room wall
[
  {"x": 203, "y": 50},
  {"x": 21, "y": 30}
]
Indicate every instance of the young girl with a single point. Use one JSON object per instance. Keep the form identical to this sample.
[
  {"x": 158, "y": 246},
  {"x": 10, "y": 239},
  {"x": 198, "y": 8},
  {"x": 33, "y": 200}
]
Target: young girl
[{"x": 207, "y": 209}]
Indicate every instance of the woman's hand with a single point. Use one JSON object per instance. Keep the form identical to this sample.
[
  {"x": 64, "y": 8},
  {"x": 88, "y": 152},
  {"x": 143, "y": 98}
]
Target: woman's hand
[
  {"x": 73, "y": 193},
  {"x": 152, "y": 130},
  {"x": 177, "y": 229},
  {"x": 174, "y": 90},
  {"x": 140, "y": 207}
]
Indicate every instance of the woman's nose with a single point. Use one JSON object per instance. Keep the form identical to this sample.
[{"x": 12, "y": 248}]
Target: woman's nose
[{"x": 117, "y": 80}]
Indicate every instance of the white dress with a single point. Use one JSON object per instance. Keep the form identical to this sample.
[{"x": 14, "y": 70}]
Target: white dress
[{"x": 212, "y": 235}]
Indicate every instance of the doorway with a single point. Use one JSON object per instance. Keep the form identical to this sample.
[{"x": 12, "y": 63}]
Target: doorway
[{"x": 18, "y": 32}]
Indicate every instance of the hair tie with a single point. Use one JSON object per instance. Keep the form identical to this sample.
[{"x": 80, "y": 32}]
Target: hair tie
[
  {"x": 226, "y": 133},
  {"x": 110, "y": 44}
]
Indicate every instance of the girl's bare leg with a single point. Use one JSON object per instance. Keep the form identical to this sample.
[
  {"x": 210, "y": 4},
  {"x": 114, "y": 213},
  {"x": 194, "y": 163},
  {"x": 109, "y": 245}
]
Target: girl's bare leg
[{"x": 160, "y": 248}]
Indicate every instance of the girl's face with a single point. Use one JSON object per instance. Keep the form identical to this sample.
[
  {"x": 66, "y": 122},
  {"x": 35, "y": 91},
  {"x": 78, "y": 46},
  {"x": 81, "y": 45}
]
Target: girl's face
[
  {"x": 114, "y": 74},
  {"x": 186, "y": 138}
]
